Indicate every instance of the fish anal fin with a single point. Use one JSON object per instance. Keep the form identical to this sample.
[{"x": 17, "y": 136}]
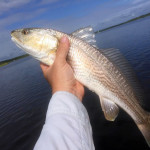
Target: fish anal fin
[{"x": 109, "y": 108}]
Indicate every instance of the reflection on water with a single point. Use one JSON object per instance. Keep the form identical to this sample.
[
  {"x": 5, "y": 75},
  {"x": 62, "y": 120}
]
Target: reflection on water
[{"x": 24, "y": 95}]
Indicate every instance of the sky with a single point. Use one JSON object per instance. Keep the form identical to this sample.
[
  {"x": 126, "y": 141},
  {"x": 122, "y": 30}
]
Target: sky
[{"x": 63, "y": 15}]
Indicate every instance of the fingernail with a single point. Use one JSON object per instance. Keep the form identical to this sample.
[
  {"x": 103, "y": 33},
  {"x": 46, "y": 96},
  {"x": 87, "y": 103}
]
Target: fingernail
[{"x": 64, "y": 39}]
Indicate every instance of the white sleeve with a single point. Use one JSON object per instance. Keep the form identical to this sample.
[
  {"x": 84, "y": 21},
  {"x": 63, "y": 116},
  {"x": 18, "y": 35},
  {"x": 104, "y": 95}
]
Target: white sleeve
[{"x": 67, "y": 125}]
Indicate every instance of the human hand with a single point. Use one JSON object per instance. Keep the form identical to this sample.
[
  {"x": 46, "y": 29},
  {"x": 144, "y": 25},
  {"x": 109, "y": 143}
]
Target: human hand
[{"x": 60, "y": 74}]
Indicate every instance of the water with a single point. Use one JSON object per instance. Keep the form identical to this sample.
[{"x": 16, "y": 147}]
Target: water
[{"x": 24, "y": 95}]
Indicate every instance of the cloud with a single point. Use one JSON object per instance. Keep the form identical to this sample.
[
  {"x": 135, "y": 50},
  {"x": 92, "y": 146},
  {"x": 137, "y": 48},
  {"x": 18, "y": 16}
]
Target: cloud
[
  {"x": 137, "y": 1},
  {"x": 8, "y": 4},
  {"x": 48, "y": 1},
  {"x": 19, "y": 19},
  {"x": 122, "y": 14},
  {"x": 102, "y": 16},
  {"x": 14, "y": 3}
]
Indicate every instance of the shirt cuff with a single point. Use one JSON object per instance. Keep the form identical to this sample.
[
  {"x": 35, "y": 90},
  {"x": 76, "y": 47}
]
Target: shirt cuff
[{"x": 67, "y": 103}]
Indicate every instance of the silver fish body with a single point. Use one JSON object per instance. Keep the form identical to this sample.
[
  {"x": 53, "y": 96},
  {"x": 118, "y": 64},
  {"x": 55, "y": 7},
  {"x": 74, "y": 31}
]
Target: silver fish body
[{"x": 92, "y": 67}]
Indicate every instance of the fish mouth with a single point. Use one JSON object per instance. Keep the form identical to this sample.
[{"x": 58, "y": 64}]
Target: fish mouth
[
  {"x": 13, "y": 37},
  {"x": 16, "y": 41},
  {"x": 12, "y": 32}
]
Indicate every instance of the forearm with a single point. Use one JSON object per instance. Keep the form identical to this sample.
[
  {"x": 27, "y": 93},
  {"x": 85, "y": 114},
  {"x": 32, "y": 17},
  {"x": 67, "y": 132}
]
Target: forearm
[{"x": 67, "y": 125}]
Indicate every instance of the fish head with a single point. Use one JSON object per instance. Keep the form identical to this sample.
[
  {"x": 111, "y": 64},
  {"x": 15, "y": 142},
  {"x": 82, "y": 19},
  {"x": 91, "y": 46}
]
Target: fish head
[{"x": 39, "y": 43}]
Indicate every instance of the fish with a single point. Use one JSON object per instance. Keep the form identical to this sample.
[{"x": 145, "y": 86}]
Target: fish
[{"x": 103, "y": 71}]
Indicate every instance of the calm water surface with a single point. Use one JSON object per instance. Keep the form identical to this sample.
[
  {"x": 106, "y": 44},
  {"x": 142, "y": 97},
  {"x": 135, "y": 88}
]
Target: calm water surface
[{"x": 24, "y": 95}]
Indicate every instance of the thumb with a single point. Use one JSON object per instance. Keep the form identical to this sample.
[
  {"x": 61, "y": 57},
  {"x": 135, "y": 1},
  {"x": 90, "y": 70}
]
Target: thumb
[{"x": 63, "y": 49}]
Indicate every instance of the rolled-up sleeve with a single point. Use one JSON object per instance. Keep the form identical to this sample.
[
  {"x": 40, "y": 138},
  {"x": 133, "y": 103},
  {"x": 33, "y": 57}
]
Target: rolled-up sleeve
[{"x": 67, "y": 125}]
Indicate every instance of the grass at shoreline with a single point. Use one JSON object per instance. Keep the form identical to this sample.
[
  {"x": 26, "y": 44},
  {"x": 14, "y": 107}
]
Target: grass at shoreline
[
  {"x": 6, "y": 62},
  {"x": 134, "y": 19}
]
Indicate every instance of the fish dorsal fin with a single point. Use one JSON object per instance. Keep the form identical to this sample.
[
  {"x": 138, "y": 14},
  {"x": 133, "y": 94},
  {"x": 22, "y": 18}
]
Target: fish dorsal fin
[
  {"x": 86, "y": 34},
  {"x": 109, "y": 108},
  {"x": 127, "y": 71}
]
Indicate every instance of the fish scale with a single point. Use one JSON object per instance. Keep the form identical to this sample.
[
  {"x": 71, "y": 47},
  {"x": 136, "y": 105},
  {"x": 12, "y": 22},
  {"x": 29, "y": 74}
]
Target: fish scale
[{"x": 104, "y": 62}]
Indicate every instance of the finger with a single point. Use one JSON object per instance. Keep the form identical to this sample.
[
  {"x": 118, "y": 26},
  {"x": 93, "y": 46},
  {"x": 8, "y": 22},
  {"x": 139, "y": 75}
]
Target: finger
[
  {"x": 80, "y": 88},
  {"x": 63, "y": 49},
  {"x": 44, "y": 68}
]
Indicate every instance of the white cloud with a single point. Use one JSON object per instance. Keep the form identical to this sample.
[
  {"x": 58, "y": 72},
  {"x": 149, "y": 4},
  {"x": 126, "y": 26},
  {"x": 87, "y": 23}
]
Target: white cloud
[
  {"x": 137, "y": 1},
  {"x": 8, "y": 4},
  {"x": 123, "y": 14},
  {"x": 105, "y": 14},
  {"x": 48, "y": 1},
  {"x": 12, "y": 3},
  {"x": 17, "y": 18}
]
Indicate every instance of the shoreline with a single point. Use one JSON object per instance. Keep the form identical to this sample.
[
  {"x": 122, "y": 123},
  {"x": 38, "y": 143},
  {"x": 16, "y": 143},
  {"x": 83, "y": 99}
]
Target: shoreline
[
  {"x": 6, "y": 62},
  {"x": 120, "y": 24}
]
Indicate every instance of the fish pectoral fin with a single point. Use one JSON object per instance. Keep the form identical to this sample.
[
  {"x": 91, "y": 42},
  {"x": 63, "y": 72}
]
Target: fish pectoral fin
[{"x": 109, "y": 108}]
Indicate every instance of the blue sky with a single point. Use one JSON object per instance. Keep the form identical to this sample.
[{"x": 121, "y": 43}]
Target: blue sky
[{"x": 63, "y": 15}]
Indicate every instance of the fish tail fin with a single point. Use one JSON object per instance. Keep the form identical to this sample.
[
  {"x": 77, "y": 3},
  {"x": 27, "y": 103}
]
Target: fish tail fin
[{"x": 145, "y": 129}]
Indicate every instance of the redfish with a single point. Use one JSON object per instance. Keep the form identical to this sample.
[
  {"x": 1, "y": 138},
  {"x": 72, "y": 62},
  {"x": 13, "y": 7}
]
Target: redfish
[{"x": 104, "y": 71}]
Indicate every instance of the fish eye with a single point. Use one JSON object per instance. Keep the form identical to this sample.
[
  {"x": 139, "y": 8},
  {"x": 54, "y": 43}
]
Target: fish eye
[{"x": 25, "y": 32}]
